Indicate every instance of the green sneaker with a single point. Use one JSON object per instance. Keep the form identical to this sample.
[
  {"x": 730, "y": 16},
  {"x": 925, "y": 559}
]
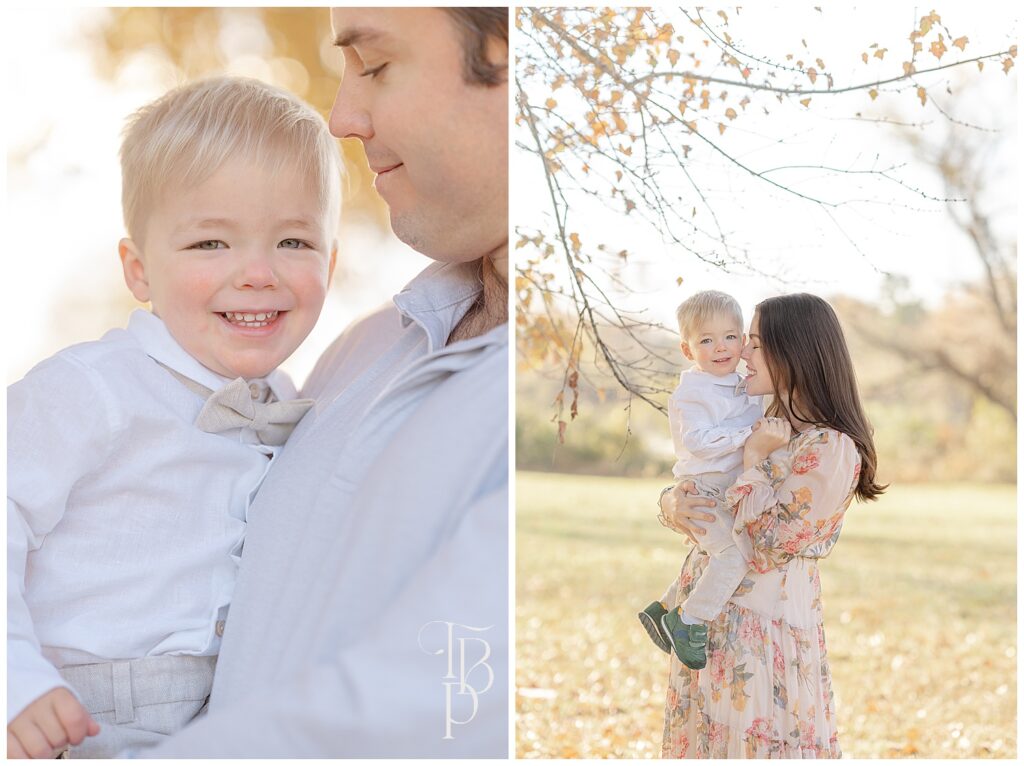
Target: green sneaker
[
  {"x": 688, "y": 641},
  {"x": 650, "y": 618}
]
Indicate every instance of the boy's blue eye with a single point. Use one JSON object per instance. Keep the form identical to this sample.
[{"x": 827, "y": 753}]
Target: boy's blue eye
[
  {"x": 292, "y": 243},
  {"x": 730, "y": 337},
  {"x": 706, "y": 340},
  {"x": 207, "y": 244}
]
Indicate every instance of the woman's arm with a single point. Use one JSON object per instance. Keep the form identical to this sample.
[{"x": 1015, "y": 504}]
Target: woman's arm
[{"x": 792, "y": 501}]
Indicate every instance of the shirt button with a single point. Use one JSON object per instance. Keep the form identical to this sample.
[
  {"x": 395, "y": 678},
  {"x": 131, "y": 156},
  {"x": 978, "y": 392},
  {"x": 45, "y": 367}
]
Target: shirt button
[
  {"x": 254, "y": 391},
  {"x": 220, "y": 627}
]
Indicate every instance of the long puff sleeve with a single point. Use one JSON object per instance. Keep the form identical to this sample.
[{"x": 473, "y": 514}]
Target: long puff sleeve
[{"x": 793, "y": 503}]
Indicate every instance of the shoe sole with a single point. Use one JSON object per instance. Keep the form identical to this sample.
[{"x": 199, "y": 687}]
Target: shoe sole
[{"x": 654, "y": 631}]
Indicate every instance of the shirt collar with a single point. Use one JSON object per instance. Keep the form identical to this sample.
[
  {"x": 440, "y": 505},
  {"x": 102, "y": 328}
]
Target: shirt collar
[
  {"x": 157, "y": 342},
  {"x": 731, "y": 380},
  {"x": 438, "y": 297}
]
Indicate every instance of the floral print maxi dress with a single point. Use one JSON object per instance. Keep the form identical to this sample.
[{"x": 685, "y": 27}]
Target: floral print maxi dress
[{"x": 766, "y": 691}]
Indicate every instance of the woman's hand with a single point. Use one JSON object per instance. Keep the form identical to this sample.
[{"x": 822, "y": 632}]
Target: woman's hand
[
  {"x": 768, "y": 435},
  {"x": 681, "y": 509}
]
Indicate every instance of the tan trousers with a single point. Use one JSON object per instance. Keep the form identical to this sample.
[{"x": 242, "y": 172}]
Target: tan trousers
[{"x": 138, "y": 702}]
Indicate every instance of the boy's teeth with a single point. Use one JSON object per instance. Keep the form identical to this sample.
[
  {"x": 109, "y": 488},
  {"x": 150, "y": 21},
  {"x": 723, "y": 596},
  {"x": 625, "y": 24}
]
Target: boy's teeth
[{"x": 251, "y": 319}]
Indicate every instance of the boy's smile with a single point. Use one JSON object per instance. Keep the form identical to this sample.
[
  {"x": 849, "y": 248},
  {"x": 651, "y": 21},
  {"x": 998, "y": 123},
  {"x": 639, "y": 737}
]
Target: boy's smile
[
  {"x": 237, "y": 267},
  {"x": 715, "y": 346}
]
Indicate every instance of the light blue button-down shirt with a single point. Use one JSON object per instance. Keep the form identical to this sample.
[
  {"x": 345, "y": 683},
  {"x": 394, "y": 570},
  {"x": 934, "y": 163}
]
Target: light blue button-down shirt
[{"x": 370, "y": 616}]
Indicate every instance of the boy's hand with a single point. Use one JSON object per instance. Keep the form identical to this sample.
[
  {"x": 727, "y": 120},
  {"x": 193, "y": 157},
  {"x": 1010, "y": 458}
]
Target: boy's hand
[
  {"x": 768, "y": 435},
  {"x": 52, "y": 721}
]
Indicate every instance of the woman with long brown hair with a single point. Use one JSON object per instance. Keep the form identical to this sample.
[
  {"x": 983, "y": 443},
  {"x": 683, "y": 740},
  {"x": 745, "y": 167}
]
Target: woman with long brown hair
[{"x": 766, "y": 690}]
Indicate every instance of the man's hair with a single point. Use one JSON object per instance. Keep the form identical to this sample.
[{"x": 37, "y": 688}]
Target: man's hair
[
  {"x": 700, "y": 307},
  {"x": 478, "y": 26},
  {"x": 186, "y": 135},
  {"x": 811, "y": 370}
]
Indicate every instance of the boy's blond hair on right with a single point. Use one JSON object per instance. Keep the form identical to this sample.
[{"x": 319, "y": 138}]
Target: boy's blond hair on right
[{"x": 700, "y": 307}]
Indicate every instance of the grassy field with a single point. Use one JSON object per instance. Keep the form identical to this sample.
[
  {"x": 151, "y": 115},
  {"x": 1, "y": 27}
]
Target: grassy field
[{"x": 920, "y": 606}]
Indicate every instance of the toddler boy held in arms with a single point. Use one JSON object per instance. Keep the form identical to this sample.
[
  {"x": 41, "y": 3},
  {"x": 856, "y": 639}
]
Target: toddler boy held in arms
[
  {"x": 710, "y": 417},
  {"x": 132, "y": 460}
]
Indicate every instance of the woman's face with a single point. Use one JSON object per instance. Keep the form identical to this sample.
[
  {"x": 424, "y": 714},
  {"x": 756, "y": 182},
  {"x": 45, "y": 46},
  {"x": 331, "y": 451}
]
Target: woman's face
[{"x": 759, "y": 382}]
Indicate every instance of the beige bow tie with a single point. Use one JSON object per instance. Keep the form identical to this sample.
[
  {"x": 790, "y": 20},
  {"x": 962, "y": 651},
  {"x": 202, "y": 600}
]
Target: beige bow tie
[{"x": 245, "y": 405}]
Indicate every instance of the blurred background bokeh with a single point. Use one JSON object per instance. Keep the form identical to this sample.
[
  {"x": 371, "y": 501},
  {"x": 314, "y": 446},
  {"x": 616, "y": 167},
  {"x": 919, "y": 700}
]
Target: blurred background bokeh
[{"x": 73, "y": 76}]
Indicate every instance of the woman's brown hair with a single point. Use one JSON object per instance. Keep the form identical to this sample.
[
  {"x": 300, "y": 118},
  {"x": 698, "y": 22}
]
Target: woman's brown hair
[{"x": 810, "y": 366}]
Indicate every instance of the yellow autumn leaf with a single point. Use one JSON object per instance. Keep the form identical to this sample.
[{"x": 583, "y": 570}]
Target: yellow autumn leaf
[
  {"x": 812, "y": 73},
  {"x": 938, "y": 48},
  {"x": 981, "y": 65},
  {"x": 1007, "y": 65},
  {"x": 873, "y": 93},
  {"x": 721, "y": 128},
  {"x": 682, "y": 107},
  {"x": 923, "y": 95},
  {"x": 908, "y": 68},
  {"x": 864, "y": 57},
  {"x": 679, "y": 281},
  {"x": 550, "y": 103},
  {"x": 880, "y": 53},
  {"x": 806, "y": 101},
  {"x": 960, "y": 42},
  {"x": 673, "y": 56},
  {"x": 730, "y": 113},
  {"x": 1013, "y": 51}
]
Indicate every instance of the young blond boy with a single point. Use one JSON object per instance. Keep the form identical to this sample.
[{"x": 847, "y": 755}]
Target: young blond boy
[
  {"x": 132, "y": 460},
  {"x": 710, "y": 418}
]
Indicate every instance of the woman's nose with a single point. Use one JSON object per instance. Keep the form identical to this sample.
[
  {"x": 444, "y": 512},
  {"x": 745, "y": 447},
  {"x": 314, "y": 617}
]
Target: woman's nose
[{"x": 745, "y": 351}]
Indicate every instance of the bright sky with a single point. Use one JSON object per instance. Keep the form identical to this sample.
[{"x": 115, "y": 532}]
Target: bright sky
[
  {"x": 62, "y": 276},
  {"x": 913, "y": 237}
]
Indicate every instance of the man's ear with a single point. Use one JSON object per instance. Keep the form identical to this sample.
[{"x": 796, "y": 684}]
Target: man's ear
[
  {"x": 334, "y": 258},
  {"x": 134, "y": 269},
  {"x": 686, "y": 350}
]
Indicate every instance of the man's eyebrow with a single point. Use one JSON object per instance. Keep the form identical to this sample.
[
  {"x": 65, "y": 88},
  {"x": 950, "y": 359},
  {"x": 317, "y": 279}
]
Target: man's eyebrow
[{"x": 355, "y": 36}]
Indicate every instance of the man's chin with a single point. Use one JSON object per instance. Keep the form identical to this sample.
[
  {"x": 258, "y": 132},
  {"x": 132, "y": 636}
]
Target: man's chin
[{"x": 441, "y": 243}]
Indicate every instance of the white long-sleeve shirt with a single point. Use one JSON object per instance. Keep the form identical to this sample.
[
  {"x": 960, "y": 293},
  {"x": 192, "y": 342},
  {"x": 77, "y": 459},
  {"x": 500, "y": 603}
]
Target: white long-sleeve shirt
[
  {"x": 124, "y": 521},
  {"x": 384, "y": 519},
  {"x": 710, "y": 422}
]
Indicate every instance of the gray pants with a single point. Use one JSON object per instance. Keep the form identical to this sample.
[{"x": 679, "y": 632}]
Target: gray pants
[
  {"x": 726, "y": 566},
  {"x": 138, "y": 702}
]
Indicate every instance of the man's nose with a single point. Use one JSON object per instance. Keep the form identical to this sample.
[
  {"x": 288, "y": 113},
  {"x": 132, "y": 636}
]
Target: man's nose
[{"x": 349, "y": 116}]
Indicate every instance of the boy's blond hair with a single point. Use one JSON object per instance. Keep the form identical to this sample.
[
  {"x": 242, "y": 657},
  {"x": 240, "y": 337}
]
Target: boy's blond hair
[
  {"x": 186, "y": 135},
  {"x": 700, "y": 307}
]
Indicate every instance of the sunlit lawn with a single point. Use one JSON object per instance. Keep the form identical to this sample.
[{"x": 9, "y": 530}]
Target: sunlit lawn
[{"x": 920, "y": 604}]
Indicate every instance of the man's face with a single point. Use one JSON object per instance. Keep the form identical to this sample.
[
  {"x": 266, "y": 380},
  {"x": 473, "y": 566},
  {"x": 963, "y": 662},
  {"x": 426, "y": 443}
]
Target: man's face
[{"x": 438, "y": 144}]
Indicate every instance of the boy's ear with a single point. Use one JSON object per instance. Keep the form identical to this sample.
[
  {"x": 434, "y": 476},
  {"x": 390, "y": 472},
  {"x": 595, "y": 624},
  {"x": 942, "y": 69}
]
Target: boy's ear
[
  {"x": 134, "y": 269},
  {"x": 334, "y": 258},
  {"x": 686, "y": 350},
  {"x": 743, "y": 339}
]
